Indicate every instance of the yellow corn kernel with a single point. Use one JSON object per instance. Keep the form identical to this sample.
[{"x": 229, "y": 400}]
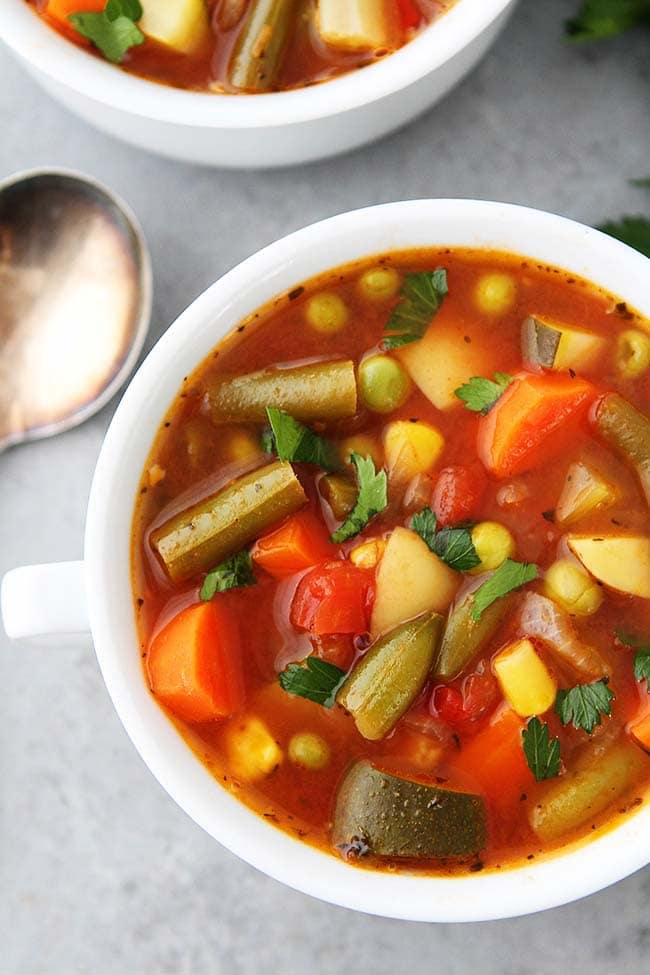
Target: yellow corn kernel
[
  {"x": 567, "y": 584},
  {"x": 411, "y": 448},
  {"x": 252, "y": 751},
  {"x": 309, "y": 750},
  {"x": 632, "y": 353},
  {"x": 493, "y": 543},
  {"x": 364, "y": 445},
  {"x": 368, "y": 554},
  {"x": 327, "y": 312},
  {"x": 242, "y": 446},
  {"x": 495, "y": 293},
  {"x": 379, "y": 283},
  {"x": 526, "y": 683}
]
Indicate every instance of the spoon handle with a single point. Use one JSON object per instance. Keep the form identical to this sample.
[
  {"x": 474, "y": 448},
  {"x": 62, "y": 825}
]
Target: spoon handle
[{"x": 46, "y": 604}]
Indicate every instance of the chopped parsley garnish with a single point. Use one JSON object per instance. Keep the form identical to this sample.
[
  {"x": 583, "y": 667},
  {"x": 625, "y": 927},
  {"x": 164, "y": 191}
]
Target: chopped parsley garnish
[
  {"x": 453, "y": 545},
  {"x": 584, "y": 705},
  {"x": 510, "y": 575},
  {"x": 371, "y": 499},
  {"x": 644, "y": 183},
  {"x": 542, "y": 752},
  {"x": 235, "y": 573},
  {"x": 421, "y": 296},
  {"x": 317, "y": 681},
  {"x": 293, "y": 441},
  {"x": 633, "y": 231},
  {"x": 641, "y": 657},
  {"x": 598, "y": 19},
  {"x": 480, "y": 394},
  {"x": 114, "y": 30}
]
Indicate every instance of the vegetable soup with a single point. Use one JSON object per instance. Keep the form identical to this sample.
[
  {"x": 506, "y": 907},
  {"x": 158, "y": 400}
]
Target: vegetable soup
[
  {"x": 391, "y": 561},
  {"x": 241, "y": 45}
]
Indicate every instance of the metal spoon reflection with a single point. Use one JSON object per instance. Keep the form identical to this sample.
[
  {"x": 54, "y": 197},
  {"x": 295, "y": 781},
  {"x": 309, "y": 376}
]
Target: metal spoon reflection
[{"x": 75, "y": 301}]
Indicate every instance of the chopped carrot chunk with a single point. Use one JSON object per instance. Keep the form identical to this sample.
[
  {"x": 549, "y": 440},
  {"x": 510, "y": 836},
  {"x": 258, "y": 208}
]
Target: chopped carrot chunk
[{"x": 300, "y": 542}]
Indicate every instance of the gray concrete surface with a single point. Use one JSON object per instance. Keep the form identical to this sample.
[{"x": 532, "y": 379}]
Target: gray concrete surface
[{"x": 99, "y": 871}]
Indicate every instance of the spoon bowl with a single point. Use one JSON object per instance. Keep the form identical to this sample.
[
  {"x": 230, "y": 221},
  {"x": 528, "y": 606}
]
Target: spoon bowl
[{"x": 76, "y": 292}]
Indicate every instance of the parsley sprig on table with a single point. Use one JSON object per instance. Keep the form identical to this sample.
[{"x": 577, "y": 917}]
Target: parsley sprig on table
[
  {"x": 318, "y": 680},
  {"x": 421, "y": 296},
  {"x": 480, "y": 394},
  {"x": 114, "y": 30},
  {"x": 453, "y": 545},
  {"x": 509, "y": 576},
  {"x": 293, "y": 441},
  {"x": 598, "y": 19},
  {"x": 371, "y": 499},
  {"x": 542, "y": 752},
  {"x": 633, "y": 231},
  {"x": 584, "y": 705},
  {"x": 234, "y": 573}
]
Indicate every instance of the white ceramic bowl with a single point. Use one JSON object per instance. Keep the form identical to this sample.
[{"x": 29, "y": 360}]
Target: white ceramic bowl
[
  {"x": 258, "y": 130},
  {"x": 41, "y": 600}
]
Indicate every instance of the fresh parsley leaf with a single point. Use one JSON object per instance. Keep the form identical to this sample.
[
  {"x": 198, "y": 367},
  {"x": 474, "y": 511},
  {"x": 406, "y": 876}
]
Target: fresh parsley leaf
[
  {"x": 510, "y": 575},
  {"x": 421, "y": 296},
  {"x": 371, "y": 499},
  {"x": 629, "y": 639},
  {"x": 633, "y": 231},
  {"x": 317, "y": 681},
  {"x": 542, "y": 752},
  {"x": 584, "y": 704},
  {"x": 425, "y": 524},
  {"x": 642, "y": 666},
  {"x": 453, "y": 545},
  {"x": 293, "y": 441},
  {"x": 598, "y": 19},
  {"x": 235, "y": 573},
  {"x": 480, "y": 395},
  {"x": 643, "y": 183},
  {"x": 114, "y": 30}
]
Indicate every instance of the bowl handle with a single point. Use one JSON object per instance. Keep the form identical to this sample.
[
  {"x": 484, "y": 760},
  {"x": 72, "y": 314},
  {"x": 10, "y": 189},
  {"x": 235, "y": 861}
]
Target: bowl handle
[{"x": 46, "y": 604}]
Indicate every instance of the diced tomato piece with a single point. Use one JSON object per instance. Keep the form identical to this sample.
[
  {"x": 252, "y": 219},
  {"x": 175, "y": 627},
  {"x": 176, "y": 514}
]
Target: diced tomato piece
[
  {"x": 458, "y": 493},
  {"x": 195, "y": 663},
  {"x": 335, "y": 648},
  {"x": 302, "y": 541},
  {"x": 495, "y": 763},
  {"x": 447, "y": 704},
  {"x": 334, "y": 598},
  {"x": 531, "y": 422},
  {"x": 462, "y": 706},
  {"x": 409, "y": 13}
]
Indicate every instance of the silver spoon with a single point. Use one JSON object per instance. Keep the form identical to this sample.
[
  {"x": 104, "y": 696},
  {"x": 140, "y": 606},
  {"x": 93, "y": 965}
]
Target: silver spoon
[{"x": 75, "y": 300}]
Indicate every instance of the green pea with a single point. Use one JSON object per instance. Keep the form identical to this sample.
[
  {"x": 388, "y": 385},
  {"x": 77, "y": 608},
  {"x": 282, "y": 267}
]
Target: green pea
[
  {"x": 383, "y": 384},
  {"x": 309, "y": 750},
  {"x": 327, "y": 312},
  {"x": 379, "y": 283}
]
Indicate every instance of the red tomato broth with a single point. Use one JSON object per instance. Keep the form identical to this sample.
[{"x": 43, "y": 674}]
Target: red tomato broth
[
  {"x": 306, "y": 59},
  {"x": 300, "y": 800}
]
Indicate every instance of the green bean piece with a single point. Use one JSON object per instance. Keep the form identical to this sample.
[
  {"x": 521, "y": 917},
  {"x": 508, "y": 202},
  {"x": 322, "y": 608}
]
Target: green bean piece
[
  {"x": 214, "y": 529},
  {"x": 386, "y": 815},
  {"x": 587, "y": 791},
  {"x": 628, "y": 431},
  {"x": 464, "y": 637},
  {"x": 319, "y": 391},
  {"x": 262, "y": 40},
  {"x": 387, "y": 680},
  {"x": 340, "y": 493}
]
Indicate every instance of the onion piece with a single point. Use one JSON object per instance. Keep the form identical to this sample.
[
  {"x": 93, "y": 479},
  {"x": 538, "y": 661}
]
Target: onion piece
[{"x": 542, "y": 618}]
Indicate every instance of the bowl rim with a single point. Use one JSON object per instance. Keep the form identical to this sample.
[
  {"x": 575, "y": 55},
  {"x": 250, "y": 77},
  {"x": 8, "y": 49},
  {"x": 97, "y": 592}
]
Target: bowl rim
[
  {"x": 72, "y": 66},
  {"x": 547, "y": 238}
]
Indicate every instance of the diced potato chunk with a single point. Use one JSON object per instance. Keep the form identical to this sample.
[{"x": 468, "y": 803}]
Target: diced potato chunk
[
  {"x": 524, "y": 679},
  {"x": 357, "y": 25},
  {"x": 253, "y": 753},
  {"x": 411, "y": 448},
  {"x": 577, "y": 349},
  {"x": 442, "y": 361},
  {"x": 619, "y": 561},
  {"x": 411, "y": 580},
  {"x": 584, "y": 491},
  {"x": 180, "y": 24}
]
